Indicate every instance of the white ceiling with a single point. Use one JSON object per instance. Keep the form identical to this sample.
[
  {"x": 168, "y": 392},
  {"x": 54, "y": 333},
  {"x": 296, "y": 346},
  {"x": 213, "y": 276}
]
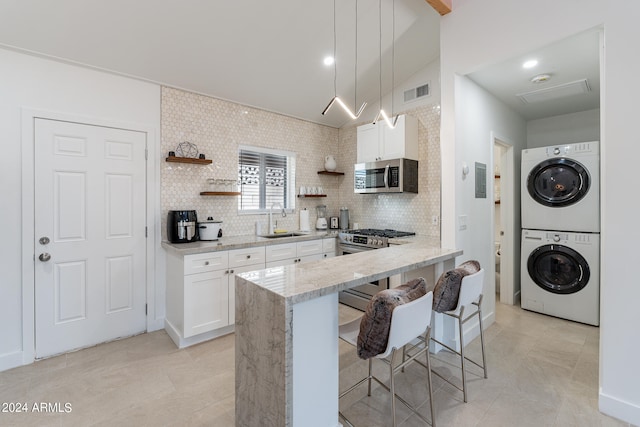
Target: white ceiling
[
  {"x": 266, "y": 54},
  {"x": 568, "y": 60}
]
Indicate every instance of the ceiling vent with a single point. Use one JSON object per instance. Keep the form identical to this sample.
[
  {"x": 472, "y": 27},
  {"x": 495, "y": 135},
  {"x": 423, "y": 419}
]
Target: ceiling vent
[
  {"x": 555, "y": 92},
  {"x": 416, "y": 93}
]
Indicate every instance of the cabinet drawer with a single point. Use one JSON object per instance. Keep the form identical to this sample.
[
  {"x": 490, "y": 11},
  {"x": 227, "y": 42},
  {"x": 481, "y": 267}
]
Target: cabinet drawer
[
  {"x": 309, "y": 247},
  {"x": 209, "y": 261},
  {"x": 280, "y": 252},
  {"x": 329, "y": 245},
  {"x": 248, "y": 256}
]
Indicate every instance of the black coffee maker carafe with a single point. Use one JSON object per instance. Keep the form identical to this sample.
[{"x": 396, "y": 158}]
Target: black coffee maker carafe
[{"x": 182, "y": 226}]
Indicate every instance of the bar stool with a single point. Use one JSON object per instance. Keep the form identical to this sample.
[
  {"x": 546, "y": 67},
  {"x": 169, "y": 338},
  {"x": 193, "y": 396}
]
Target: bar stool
[
  {"x": 408, "y": 321},
  {"x": 470, "y": 298}
]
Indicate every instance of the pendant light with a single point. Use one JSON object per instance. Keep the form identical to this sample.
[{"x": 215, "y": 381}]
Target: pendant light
[
  {"x": 335, "y": 73},
  {"x": 382, "y": 113}
]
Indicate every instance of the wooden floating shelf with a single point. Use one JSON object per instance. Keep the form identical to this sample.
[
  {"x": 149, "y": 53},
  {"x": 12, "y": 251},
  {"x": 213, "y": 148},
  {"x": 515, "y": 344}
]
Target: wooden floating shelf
[
  {"x": 174, "y": 159},
  {"x": 220, "y": 193},
  {"x": 330, "y": 173},
  {"x": 303, "y": 196}
]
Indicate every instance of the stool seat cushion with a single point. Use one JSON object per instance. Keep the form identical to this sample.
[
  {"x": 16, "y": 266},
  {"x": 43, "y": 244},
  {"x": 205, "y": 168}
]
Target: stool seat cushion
[
  {"x": 445, "y": 294},
  {"x": 376, "y": 321}
]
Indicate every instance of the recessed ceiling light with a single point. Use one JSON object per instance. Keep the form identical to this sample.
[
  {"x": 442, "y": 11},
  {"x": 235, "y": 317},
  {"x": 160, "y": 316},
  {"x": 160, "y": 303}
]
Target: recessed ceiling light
[
  {"x": 530, "y": 64},
  {"x": 328, "y": 60}
]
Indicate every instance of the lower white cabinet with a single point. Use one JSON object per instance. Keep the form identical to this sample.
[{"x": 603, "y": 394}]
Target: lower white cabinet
[
  {"x": 201, "y": 287},
  {"x": 206, "y": 302},
  {"x": 329, "y": 246},
  {"x": 241, "y": 261},
  {"x": 293, "y": 253}
]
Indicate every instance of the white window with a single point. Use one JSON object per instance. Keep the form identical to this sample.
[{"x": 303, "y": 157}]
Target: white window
[{"x": 265, "y": 177}]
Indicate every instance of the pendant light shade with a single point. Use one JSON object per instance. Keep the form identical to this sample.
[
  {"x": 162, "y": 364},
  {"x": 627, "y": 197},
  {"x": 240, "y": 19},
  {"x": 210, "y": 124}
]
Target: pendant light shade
[
  {"x": 336, "y": 98},
  {"x": 382, "y": 113}
]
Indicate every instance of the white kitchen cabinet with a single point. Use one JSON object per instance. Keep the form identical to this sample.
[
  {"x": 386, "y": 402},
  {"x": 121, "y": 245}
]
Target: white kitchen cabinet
[
  {"x": 368, "y": 143},
  {"x": 329, "y": 247},
  {"x": 206, "y": 302},
  {"x": 197, "y": 296},
  {"x": 280, "y": 252},
  {"x": 292, "y": 253},
  {"x": 201, "y": 287},
  {"x": 242, "y": 261},
  {"x": 380, "y": 142},
  {"x": 309, "y": 247}
]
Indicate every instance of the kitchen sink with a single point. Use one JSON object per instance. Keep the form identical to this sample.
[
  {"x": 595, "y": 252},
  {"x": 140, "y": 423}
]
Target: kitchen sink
[{"x": 287, "y": 234}]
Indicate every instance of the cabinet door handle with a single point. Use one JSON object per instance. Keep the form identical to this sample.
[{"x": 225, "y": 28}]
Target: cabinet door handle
[
  {"x": 206, "y": 263},
  {"x": 231, "y": 271},
  {"x": 248, "y": 256}
]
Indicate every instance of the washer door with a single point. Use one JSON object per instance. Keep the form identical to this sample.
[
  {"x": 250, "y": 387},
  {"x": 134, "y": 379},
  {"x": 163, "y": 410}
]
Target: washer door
[
  {"x": 558, "y": 269},
  {"x": 558, "y": 182}
]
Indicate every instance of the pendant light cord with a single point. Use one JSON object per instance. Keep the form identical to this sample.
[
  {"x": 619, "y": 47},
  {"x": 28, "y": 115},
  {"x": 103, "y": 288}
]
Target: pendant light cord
[
  {"x": 380, "y": 52},
  {"x": 393, "y": 54},
  {"x": 335, "y": 60},
  {"x": 355, "y": 72}
]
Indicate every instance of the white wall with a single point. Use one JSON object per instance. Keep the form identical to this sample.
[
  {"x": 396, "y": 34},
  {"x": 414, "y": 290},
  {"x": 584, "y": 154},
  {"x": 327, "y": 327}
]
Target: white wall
[
  {"x": 478, "y": 33},
  {"x": 482, "y": 116},
  {"x": 564, "y": 129},
  {"x": 30, "y": 82}
]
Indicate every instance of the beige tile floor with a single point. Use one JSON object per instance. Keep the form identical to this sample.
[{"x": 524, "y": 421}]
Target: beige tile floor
[{"x": 543, "y": 371}]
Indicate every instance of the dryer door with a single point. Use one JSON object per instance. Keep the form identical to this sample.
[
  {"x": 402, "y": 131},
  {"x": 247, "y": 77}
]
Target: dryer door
[
  {"x": 558, "y": 269},
  {"x": 558, "y": 182}
]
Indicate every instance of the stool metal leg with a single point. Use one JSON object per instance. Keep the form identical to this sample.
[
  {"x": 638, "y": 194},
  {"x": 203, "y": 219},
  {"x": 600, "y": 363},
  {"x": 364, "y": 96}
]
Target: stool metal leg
[
  {"x": 484, "y": 361},
  {"x": 462, "y": 358},
  {"x": 370, "y": 376},
  {"x": 393, "y": 387},
  {"x": 433, "y": 414}
]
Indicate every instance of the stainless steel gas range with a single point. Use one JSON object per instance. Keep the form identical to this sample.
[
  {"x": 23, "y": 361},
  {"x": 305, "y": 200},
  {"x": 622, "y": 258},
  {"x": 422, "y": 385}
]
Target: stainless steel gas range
[{"x": 354, "y": 241}]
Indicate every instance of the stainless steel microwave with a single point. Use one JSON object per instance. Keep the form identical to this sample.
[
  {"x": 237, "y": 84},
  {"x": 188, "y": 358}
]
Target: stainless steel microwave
[{"x": 386, "y": 176}]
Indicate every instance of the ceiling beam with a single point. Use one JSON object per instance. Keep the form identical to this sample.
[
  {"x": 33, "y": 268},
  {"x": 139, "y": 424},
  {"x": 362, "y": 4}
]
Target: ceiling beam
[{"x": 441, "y": 6}]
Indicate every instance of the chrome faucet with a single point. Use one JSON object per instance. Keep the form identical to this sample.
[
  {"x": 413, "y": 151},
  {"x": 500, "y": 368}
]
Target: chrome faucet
[{"x": 272, "y": 229}]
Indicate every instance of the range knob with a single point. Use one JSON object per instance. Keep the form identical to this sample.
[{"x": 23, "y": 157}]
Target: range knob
[
  {"x": 556, "y": 238},
  {"x": 556, "y": 151}
]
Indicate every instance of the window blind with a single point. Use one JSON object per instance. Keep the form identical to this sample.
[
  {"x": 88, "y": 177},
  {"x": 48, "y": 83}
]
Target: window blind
[{"x": 263, "y": 180}]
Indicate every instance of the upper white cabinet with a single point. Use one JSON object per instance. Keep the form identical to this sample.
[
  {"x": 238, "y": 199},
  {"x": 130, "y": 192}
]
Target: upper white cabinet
[{"x": 380, "y": 142}]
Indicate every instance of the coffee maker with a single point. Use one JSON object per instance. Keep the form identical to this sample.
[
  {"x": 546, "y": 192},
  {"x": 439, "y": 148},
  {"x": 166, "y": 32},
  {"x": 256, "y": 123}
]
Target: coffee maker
[{"x": 182, "y": 226}]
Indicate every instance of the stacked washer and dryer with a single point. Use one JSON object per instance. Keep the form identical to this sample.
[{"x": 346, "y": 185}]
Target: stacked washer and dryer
[{"x": 560, "y": 264}]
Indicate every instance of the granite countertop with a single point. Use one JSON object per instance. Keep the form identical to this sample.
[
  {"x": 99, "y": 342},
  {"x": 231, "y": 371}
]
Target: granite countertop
[
  {"x": 301, "y": 282},
  {"x": 240, "y": 242}
]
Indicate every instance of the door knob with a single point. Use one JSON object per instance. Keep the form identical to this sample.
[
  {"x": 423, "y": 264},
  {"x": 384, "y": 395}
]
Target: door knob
[
  {"x": 44, "y": 240},
  {"x": 44, "y": 257}
]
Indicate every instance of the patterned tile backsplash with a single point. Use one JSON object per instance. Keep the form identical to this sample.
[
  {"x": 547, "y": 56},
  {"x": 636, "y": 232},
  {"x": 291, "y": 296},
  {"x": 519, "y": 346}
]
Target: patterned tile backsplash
[{"x": 218, "y": 127}]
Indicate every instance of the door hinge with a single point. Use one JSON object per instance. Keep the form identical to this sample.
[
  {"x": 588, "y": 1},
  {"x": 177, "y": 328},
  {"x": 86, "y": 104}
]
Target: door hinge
[
  {"x": 146, "y": 309},
  {"x": 146, "y": 154},
  {"x": 146, "y": 231}
]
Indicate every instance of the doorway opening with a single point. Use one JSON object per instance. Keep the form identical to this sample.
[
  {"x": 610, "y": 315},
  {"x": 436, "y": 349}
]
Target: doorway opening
[{"x": 507, "y": 288}]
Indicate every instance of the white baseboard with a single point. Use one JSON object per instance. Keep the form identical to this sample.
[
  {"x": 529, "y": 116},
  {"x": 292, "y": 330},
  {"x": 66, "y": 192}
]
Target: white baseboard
[
  {"x": 180, "y": 342},
  {"x": 614, "y": 407},
  {"x": 11, "y": 360}
]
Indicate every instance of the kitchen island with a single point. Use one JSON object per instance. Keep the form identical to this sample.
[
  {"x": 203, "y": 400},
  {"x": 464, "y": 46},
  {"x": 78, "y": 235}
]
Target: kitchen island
[{"x": 287, "y": 331}]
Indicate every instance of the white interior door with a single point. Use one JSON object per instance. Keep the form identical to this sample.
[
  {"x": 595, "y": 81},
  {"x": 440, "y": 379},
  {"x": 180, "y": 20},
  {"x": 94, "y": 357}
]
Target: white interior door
[{"x": 90, "y": 270}]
